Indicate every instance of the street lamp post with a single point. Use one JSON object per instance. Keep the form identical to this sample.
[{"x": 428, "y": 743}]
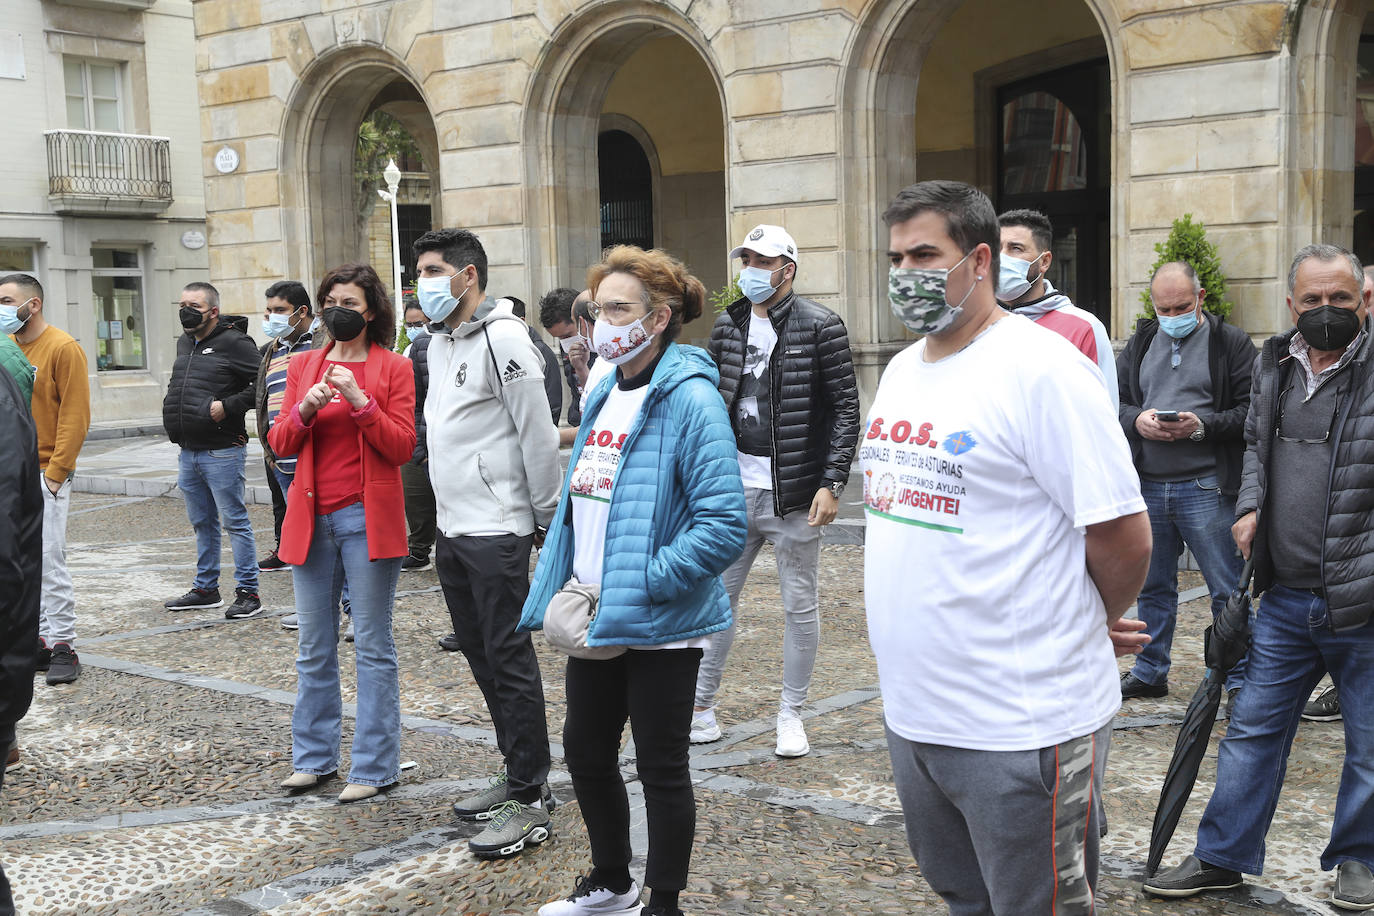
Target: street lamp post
[{"x": 392, "y": 176}]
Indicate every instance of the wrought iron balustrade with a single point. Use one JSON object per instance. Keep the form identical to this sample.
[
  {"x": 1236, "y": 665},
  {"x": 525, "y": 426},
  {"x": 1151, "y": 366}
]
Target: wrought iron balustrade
[{"x": 87, "y": 165}]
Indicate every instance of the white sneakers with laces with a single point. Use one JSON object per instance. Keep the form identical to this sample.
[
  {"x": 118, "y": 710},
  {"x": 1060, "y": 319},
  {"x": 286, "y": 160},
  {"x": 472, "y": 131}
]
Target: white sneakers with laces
[
  {"x": 704, "y": 726},
  {"x": 590, "y": 899},
  {"x": 791, "y": 735}
]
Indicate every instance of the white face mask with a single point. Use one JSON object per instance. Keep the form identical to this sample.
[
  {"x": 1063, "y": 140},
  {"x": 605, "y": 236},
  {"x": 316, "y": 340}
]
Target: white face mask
[{"x": 618, "y": 345}]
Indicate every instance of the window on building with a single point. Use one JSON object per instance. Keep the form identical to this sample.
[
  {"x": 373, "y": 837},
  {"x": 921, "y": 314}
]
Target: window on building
[
  {"x": 412, "y": 221},
  {"x": 117, "y": 290},
  {"x": 17, "y": 257},
  {"x": 93, "y": 95},
  {"x": 627, "y": 191},
  {"x": 1054, "y": 139},
  {"x": 1364, "y": 152}
]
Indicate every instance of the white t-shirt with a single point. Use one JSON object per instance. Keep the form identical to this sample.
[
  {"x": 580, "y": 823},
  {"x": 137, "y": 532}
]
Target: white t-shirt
[
  {"x": 754, "y": 405},
  {"x": 595, "y": 372},
  {"x": 980, "y": 473},
  {"x": 593, "y": 482}
]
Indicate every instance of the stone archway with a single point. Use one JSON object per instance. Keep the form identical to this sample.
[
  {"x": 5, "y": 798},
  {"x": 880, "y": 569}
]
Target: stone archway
[
  {"x": 321, "y": 126},
  {"x": 564, "y": 114},
  {"x": 879, "y": 88}
]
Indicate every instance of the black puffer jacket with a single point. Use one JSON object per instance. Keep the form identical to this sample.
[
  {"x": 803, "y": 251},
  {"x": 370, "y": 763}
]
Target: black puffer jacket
[
  {"x": 222, "y": 367},
  {"x": 1347, "y": 551},
  {"x": 21, "y": 556},
  {"x": 815, "y": 414},
  {"x": 419, "y": 361}
]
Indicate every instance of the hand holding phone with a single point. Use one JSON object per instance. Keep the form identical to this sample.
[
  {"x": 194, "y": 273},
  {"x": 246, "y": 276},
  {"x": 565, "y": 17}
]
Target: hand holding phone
[{"x": 1166, "y": 416}]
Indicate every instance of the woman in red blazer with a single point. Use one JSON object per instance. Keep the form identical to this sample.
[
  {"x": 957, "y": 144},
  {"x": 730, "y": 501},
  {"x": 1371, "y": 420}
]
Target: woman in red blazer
[{"x": 351, "y": 425}]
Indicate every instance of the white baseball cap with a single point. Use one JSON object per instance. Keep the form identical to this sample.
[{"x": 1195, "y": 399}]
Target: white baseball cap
[{"x": 769, "y": 241}]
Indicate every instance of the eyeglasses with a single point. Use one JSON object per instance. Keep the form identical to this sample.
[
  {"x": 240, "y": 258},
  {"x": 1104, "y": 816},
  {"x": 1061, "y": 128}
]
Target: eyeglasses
[
  {"x": 1331, "y": 425},
  {"x": 416, "y": 326},
  {"x": 615, "y": 312}
]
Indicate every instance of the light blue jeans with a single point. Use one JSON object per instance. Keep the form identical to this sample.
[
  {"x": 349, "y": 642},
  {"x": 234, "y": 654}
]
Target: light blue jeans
[
  {"x": 339, "y": 549},
  {"x": 212, "y": 481}
]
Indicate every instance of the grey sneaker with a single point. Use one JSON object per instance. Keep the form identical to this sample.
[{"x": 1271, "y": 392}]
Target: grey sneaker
[
  {"x": 290, "y": 622},
  {"x": 511, "y": 826},
  {"x": 479, "y": 805},
  {"x": 1354, "y": 888},
  {"x": 1324, "y": 708}
]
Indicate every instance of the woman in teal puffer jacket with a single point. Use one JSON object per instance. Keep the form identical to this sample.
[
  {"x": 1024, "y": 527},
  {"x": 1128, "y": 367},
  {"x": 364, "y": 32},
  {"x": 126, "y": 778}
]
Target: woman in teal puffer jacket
[{"x": 653, "y": 513}]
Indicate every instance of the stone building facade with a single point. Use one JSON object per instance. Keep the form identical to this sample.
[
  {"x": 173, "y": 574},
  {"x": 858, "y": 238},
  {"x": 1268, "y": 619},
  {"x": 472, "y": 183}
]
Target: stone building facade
[
  {"x": 101, "y": 181},
  {"x": 1116, "y": 116}
]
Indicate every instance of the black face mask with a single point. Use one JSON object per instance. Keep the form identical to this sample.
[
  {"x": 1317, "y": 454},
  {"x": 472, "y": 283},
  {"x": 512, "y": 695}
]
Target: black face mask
[
  {"x": 1328, "y": 327},
  {"x": 190, "y": 317},
  {"x": 343, "y": 324}
]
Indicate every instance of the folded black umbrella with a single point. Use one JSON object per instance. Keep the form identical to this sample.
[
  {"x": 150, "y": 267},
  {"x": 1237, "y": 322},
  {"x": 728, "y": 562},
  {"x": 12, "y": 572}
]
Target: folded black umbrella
[{"x": 1226, "y": 641}]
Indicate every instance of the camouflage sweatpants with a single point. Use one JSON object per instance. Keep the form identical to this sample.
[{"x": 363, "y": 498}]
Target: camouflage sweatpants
[{"x": 1004, "y": 832}]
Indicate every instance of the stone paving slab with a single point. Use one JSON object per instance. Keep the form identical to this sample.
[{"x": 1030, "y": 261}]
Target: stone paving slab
[{"x": 149, "y": 786}]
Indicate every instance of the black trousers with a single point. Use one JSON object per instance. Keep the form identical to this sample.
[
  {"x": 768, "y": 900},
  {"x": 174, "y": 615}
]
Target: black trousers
[
  {"x": 6, "y": 900},
  {"x": 485, "y": 581},
  {"x": 654, "y": 689},
  {"x": 420, "y": 511},
  {"x": 278, "y": 500}
]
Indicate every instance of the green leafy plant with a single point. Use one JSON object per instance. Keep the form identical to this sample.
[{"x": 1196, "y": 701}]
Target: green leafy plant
[
  {"x": 721, "y": 298},
  {"x": 380, "y": 138},
  {"x": 1187, "y": 242}
]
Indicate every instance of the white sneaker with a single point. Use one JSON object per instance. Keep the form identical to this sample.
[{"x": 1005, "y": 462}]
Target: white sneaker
[
  {"x": 290, "y": 622},
  {"x": 704, "y": 727},
  {"x": 791, "y": 735},
  {"x": 592, "y": 900}
]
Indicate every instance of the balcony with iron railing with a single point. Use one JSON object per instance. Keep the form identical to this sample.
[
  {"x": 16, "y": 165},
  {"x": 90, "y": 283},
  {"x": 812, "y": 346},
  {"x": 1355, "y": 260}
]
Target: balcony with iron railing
[{"x": 93, "y": 173}]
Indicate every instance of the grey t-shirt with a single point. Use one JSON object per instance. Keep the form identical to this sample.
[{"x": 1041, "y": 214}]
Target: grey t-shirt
[
  {"x": 1299, "y": 484},
  {"x": 1187, "y": 387}
]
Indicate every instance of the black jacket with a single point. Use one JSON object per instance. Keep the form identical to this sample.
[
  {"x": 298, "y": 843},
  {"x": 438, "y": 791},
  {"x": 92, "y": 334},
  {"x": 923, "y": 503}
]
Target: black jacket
[
  {"x": 815, "y": 398},
  {"x": 1347, "y": 550},
  {"x": 1231, "y": 358},
  {"x": 21, "y": 557},
  {"x": 553, "y": 385},
  {"x": 575, "y": 390},
  {"x": 222, "y": 367},
  {"x": 419, "y": 361}
]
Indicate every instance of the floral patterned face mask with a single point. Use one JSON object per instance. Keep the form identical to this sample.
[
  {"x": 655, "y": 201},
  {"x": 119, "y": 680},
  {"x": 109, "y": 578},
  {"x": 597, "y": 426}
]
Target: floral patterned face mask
[{"x": 917, "y": 295}]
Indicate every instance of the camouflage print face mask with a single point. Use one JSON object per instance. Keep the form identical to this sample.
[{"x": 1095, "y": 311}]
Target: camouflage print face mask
[{"x": 917, "y": 295}]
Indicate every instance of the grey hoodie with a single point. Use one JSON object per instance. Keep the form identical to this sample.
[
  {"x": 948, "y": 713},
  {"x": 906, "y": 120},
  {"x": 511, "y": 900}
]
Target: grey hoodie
[{"x": 493, "y": 452}]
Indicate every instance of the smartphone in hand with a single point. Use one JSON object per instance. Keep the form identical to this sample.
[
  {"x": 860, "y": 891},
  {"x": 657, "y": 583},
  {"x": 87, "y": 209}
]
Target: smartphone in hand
[{"x": 1166, "y": 416}]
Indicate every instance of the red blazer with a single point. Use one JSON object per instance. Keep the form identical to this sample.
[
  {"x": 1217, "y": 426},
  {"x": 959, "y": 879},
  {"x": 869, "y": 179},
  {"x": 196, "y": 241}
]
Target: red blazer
[{"x": 386, "y": 435}]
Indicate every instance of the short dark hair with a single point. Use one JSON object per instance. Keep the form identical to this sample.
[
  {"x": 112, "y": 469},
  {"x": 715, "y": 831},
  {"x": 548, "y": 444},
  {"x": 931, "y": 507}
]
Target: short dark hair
[
  {"x": 27, "y": 282},
  {"x": 970, "y": 219},
  {"x": 517, "y": 306},
  {"x": 413, "y": 302},
  {"x": 582, "y": 310},
  {"x": 381, "y": 330},
  {"x": 1041, "y": 229},
  {"x": 457, "y": 247},
  {"x": 200, "y": 286},
  {"x": 556, "y": 306},
  {"x": 292, "y": 291}
]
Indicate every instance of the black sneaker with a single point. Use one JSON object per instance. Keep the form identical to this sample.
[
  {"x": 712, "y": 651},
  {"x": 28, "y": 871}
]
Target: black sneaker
[
  {"x": 1191, "y": 877},
  {"x": 1325, "y": 708},
  {"x": 197, "y": 599},
  {"x": 272, "y": 563},
  {"x": 44, "y": 657},
  {"x": 412, "y": 563},
  {"x": 1133, "y": 687},
  {"x": 1354, "y": 888},
  {"x": 246, "y": 604},
  {"x": 64, "y": 667},
  {"x": 449, "y": 643}
]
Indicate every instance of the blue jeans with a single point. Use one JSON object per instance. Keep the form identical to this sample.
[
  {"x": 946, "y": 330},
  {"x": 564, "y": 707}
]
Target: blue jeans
[
  {"x": 339, "y": 549},
  {"x": 1293, "y": 647},
  {"x": 212, "y": 482},
  {"x": 284, "y": 484},
  {"x": 1196, "y": 513}
]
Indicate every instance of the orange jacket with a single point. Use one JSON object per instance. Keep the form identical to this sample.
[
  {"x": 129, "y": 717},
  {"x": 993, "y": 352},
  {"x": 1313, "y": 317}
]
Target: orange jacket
[{"x": 386, "y": 435}]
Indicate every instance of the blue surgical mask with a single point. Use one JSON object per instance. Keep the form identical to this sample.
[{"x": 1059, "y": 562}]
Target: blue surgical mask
[
  {"x": 1179, "y": 326},
  {"x": 436, "y": 297},
  {"x": 277, "y": 325},
  {"x": 10, "y": 322},
  {"x": 757, "y": 283},
  {"x": 1013, "y": 278}
]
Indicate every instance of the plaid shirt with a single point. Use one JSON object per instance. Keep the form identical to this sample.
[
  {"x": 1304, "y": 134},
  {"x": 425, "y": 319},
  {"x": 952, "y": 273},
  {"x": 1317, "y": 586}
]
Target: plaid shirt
[{"x": 1300, "y": 351}]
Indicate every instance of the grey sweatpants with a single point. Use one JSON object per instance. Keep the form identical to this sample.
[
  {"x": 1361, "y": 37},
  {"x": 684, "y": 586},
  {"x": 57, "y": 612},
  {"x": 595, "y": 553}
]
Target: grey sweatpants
[{"x": 1004, "y": 832}]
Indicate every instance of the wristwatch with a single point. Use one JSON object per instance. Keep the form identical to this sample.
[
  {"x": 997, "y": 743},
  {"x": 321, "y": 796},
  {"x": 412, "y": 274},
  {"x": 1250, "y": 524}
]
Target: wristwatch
[
  {"x": 836, "y": 487},
  {"x": 1200, "y": 433}
]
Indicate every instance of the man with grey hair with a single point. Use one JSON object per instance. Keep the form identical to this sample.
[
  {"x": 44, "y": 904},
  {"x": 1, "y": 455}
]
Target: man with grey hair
[
  {"x": 1184, "y": 396},
  {"x": 1305, "y": 510}
]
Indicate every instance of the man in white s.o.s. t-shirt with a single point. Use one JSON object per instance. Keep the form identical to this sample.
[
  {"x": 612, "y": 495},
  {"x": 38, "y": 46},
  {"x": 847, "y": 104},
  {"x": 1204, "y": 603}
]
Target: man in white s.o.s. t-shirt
[{"x": 1006, "y": 537}]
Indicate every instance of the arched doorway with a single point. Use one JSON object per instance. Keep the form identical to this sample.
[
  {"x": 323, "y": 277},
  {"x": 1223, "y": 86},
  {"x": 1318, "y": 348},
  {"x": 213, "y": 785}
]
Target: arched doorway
[
  {"x": 328, "y": 204},
  {"x": 636, "y": 91}
]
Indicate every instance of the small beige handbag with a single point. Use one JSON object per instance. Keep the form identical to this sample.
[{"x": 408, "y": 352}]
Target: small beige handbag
[{"x": 568, "y": 618}]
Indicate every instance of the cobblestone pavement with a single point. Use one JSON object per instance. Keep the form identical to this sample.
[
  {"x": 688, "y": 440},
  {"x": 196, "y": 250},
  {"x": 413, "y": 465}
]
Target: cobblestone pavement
[{"x": 149, "y": 786}]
